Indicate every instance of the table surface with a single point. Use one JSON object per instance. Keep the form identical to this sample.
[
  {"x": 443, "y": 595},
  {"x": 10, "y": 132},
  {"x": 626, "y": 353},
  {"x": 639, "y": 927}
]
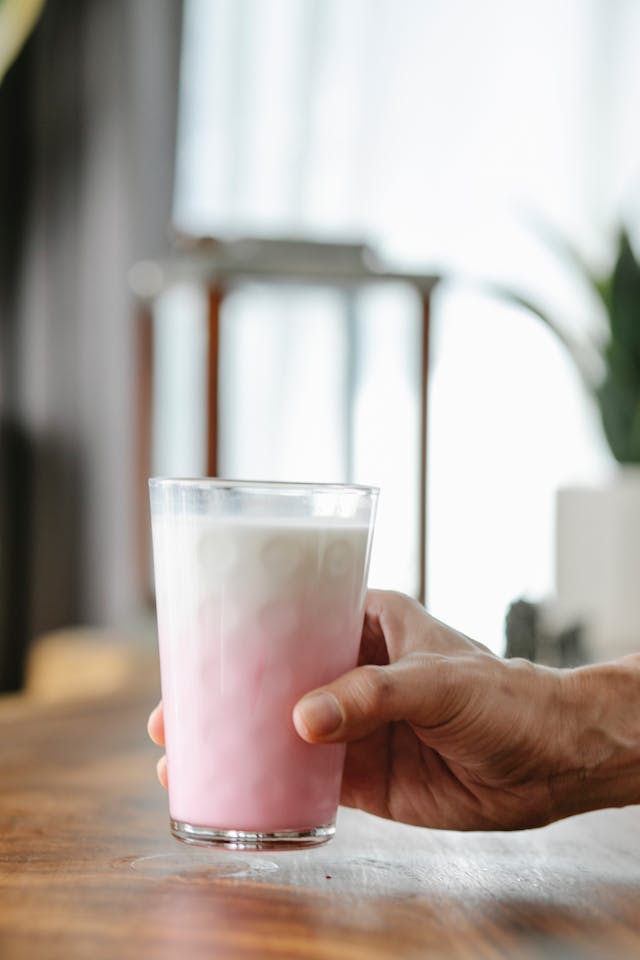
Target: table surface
[{"x": 87, "y": 868}]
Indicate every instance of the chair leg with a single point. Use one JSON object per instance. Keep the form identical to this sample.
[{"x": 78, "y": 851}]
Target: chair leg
[
  {"x": 144, "y": 330},
  {"x": 215, "y": 298},
  {"x": 424, "y": 425}
]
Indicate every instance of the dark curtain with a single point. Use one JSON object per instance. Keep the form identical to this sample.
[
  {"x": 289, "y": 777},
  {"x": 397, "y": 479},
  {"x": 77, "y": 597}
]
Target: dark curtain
[{"x": 87, "y": 145}]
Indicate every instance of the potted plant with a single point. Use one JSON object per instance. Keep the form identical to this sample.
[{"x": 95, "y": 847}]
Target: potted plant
[{"x": 598, "y": 528}]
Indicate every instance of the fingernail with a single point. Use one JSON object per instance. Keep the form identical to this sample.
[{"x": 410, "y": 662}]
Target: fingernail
[
  {"x": 161, "y": 770},
  {"x": 152, "y": 717},
  {"x": 320, "y": 714}
]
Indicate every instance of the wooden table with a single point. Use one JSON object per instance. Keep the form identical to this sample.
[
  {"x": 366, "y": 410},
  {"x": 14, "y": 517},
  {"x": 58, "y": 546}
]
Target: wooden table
[{"x": 87, "y": 868}]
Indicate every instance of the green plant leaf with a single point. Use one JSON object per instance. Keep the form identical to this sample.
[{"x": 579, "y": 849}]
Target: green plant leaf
[
  {"x": 625, "y": 304},
  {"x": 603, "y": 287},
  {"x": 555, "y": 240},
  {"x": 619, "y": 402},
  {"x": 575, "y": 351},
  {"x": 634, "y": 441},
  {"x": 618, "y": 392}
]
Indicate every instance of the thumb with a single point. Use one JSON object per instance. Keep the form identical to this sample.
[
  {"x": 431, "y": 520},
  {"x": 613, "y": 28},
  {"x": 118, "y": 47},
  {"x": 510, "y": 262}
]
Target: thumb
[{"x": 414, "y": 688}]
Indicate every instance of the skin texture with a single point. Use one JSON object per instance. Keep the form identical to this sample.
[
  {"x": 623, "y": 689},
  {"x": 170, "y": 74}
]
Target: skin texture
[{"x": 442, "y": 733}]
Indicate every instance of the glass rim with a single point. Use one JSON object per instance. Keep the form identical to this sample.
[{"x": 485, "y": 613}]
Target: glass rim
[{"x": 263, "y": 485}]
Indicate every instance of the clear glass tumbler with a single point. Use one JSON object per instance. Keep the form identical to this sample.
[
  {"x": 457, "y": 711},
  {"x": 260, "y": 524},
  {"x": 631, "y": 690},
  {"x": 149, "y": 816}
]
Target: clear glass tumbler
[{"x": 260, "y": 595}]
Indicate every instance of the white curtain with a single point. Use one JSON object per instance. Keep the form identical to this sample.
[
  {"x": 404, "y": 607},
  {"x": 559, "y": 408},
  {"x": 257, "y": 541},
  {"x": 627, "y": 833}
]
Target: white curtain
[{"x": 439, "y": 130}]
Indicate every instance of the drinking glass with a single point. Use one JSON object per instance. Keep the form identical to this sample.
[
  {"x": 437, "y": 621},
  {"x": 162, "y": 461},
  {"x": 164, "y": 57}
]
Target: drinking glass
[{"x": 260, "y": 597}]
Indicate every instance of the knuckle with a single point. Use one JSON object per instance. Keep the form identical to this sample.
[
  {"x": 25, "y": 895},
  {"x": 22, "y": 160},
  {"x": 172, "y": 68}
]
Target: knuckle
[{"x": 375, "y": 689}]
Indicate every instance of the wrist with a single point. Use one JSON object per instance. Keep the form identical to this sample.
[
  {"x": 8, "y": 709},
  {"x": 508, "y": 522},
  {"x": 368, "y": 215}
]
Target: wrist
[{"x": 602, "y": 711}]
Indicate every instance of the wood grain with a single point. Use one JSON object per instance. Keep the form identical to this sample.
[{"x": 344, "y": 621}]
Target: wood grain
[{"x": 87, "y": 868}]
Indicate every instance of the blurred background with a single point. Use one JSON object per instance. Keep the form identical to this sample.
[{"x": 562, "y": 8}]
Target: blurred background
[{"x": 492, "y": 147}]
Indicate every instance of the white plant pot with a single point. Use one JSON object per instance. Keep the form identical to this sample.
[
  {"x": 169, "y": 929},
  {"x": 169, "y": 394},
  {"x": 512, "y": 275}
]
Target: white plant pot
[{"x": 598, "y": 562}]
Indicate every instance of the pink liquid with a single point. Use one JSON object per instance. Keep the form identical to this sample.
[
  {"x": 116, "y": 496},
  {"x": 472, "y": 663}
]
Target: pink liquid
[{"x": 251, "y": 616}]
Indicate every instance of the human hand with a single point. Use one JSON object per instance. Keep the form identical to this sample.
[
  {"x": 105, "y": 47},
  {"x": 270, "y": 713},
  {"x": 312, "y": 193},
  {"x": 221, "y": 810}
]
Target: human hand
[{"x": 442, "y": 733}]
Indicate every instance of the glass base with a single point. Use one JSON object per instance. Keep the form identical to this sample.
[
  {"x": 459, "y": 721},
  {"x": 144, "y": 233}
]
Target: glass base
[{"x": 252, "y": 840}]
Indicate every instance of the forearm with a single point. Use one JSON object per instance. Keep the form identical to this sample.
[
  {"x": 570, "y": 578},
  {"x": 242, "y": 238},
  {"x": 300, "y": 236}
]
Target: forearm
[{"x": 603, "y": 714}]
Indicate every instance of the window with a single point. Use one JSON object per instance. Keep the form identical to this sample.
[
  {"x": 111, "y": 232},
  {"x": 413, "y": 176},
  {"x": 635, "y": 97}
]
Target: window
[{"x": 438, "y": 131}]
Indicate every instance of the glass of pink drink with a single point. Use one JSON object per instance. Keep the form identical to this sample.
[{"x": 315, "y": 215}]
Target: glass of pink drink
[{"x": 260, "y": 597}]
